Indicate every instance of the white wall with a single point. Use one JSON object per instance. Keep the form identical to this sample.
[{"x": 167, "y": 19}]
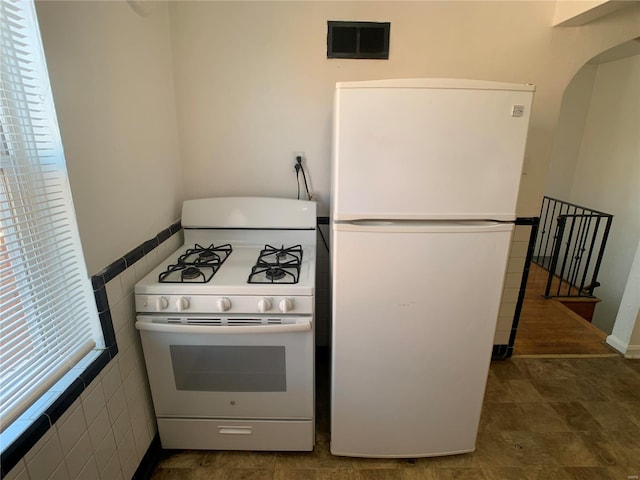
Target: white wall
[
  {"x": 569, "y": 133},
  {"x": 634, "y": 340},
  {"x": 111, "y": 75},
  {"x": 596, "y": 163},
  {"x": 579, "y": 12},
  {"x": 253, "y": 83},
  {"x": 625, "y": 336},
  {"x": 607, "y": 174}
]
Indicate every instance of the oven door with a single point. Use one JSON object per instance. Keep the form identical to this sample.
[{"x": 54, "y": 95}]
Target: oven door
[{"x": 199, "y": 368}]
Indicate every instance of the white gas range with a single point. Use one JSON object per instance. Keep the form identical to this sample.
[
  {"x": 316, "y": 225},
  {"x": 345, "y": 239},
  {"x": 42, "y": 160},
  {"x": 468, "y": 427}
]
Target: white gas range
[{"x": 226, "y": 324}]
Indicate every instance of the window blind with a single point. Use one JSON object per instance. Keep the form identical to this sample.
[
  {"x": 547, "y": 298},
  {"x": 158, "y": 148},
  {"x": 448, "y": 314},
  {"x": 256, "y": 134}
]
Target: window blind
[{"x": 48, "y": 318}]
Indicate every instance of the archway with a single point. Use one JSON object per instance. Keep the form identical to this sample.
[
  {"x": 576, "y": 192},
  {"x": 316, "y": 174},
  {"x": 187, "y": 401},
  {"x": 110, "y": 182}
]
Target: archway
[{"x": 595, "y": 163}]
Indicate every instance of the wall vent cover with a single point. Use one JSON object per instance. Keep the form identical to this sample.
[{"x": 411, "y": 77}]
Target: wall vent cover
[{"x": 358, "y": 39}]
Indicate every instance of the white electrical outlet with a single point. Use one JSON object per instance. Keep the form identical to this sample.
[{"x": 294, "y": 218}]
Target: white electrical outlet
[{"x": 298, "y": 154}]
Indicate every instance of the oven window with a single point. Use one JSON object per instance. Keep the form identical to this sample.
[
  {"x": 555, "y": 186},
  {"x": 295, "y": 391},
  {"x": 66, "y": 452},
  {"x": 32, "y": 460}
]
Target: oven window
[{"x": 215, "y": 368}]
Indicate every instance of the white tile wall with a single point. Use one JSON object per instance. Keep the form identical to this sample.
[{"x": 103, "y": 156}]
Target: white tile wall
[
  {"x": 515, "y": 269},
  {"x": 90, "y": 471},
  {"x": 78, "y": 456},
  {"x": 19, "y": 472},
  {"x": 71, "y": 426},
  {"x": 108, "y": 429},
  {"x": 45, "y": 457}
]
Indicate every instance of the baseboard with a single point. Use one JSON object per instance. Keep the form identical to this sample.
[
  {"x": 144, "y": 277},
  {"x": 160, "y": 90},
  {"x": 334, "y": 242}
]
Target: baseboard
[
  {"x": 633, "y": 352},
  {"x": 149, "y": 461},
  {"x": 501, "y": 352},
  {"x": 629, "y": 351}
]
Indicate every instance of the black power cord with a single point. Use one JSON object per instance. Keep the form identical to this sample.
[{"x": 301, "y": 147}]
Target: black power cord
[{"x": 299, "y": 168}]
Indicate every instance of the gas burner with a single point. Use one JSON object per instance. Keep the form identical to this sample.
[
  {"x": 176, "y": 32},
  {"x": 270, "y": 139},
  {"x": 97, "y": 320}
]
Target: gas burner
[
  {"x": 208, "y": 256},
  {"x": 187, "y": 273},
  {"x": 277, "y": 265},
  {"x": 211, "y": 255},
  {"x": 196, "y": 265},
  {"x": 264, "y": 273},
  {"x": 291, "y": 256},
  {"x": 190, "y": 273},
  {"x": 275, "y": 273}
]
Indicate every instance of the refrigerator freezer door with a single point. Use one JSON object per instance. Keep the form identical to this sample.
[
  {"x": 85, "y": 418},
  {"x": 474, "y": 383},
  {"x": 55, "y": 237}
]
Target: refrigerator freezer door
[
  {"x": 414, "y": 314},
  {"x": 410, "y": 152}
]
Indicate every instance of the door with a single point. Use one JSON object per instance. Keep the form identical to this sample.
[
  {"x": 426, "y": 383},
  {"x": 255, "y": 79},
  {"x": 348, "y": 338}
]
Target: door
[
  {"x": 414, "y": 313},
  {"x": 206, "y": 371},
  {"x": 420, "y": 152}
]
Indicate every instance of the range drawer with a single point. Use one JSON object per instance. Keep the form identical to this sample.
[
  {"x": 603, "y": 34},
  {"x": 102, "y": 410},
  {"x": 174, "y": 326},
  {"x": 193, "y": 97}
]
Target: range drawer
[{"x": 204, "y": 434}]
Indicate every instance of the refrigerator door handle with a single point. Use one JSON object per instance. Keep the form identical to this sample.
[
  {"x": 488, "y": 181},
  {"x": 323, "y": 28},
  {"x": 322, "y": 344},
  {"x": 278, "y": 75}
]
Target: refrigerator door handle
[{"x": 423, "y": 226}]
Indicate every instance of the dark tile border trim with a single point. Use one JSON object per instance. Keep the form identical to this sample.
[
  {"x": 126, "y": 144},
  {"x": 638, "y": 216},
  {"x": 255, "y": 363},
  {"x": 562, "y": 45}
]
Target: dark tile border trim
[
  {"x": 499, "y": 352},
  {"x": 534, "y": 221},
  {"x": 18, "y": 449},
  {"x": 502, "y": 352},
  {"x": 149, "y": 461}
]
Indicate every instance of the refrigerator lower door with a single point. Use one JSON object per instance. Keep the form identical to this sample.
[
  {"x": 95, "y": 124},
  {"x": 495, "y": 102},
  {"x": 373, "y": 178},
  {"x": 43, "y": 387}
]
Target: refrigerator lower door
[{"x": 414, "y": 313}]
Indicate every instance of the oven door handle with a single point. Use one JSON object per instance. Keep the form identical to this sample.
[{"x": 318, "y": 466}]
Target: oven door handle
[{"x": 302, "y": 326}]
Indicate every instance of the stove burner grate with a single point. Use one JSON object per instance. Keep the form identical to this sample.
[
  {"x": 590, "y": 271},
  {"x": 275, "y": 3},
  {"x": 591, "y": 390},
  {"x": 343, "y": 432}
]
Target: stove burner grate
[
  {"x": 277, "y": 265},
  {"x": 211, "y": 255},
  {"x": 264, "y": 273},
  {"x": 289, "y": 256},
  {"x": 197, "y": 265}
]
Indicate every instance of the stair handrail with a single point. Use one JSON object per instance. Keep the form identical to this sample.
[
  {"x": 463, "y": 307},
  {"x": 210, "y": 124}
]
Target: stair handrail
[{"x": 574, "y": 247}]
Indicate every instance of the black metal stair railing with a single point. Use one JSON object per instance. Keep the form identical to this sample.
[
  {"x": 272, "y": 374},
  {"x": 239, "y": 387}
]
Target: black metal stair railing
[{"x": 570, "y": 245}]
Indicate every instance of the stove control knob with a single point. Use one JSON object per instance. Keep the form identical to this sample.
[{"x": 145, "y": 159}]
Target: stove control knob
[
  {"x": 161, "y": 303},
  {"x": 182, "y": 304},
  {"x": 285, "y": 305},
  {"x": 264, "y": 304},
  {"x": 223, "y": 304}
]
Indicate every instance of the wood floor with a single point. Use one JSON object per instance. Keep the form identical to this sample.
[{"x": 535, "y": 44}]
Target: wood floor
[{"x": 547, "y": 327}]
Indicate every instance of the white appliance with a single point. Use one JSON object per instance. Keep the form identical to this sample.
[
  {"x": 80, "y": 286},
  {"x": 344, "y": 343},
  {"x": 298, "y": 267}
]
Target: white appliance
[
  {"x": 425, "y": 180},
  {"x": 226, "y": 324}
]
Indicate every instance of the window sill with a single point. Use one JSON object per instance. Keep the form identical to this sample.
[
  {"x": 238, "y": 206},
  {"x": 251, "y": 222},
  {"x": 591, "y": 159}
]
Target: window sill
[
  {"x": 42, "y": 406},
  {"x": 18, "y": 439}
]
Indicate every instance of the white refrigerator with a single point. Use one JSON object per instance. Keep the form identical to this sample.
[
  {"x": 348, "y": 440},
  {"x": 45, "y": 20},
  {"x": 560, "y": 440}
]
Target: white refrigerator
[{"x": 425, "y": 177}]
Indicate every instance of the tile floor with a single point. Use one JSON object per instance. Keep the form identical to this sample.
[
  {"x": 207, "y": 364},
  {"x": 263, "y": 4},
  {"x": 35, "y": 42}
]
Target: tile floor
[{"x": 543, "y": 419}]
